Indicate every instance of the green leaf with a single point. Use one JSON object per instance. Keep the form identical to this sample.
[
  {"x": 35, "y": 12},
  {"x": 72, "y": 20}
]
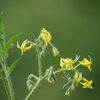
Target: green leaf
[
  {"x": 8, "y": 44},
  {"x": 2, "y": 36},
  {"x": 1, "y": 26},
  {"x": 12, "y": 67}
]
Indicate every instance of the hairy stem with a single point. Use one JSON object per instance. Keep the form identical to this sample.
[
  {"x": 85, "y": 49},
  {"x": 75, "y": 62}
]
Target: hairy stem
[
  {"x": 5, "y": 85},
  {"x": 40, "y": 73},
  {"x": 39, "y": 59},
  {"x": 8, "y": 79},
  {"x": 31, "y": 75},
  {"x": 31, "y": 92}
]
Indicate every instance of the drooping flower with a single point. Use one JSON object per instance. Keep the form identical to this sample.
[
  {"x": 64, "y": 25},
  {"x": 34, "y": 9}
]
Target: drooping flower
[
  {"x": 51, "y": 77},
  {"x": 55, "y": 52},
  {"x": 86, "y": 63},
  {"x": 67, "y": 93},
  {"x": 87, "y": 84},
  {"x": 31, "y": 86},
  {"x": 51, "y": 80},
  {"x": 23, "y": 48},
  {"x": 45, "y": 36},
  {"x": 79, "y": 78}
]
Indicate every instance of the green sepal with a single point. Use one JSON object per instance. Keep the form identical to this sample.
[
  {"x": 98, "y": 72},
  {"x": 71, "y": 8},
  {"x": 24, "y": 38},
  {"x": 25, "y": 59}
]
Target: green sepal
[
  {"x": 10, "y": 69},
  {"x": 42, "y": 53},
  {"x": 51, "y": 74},
  {"x": 30, "y": 82},
  {"x": 8, "y": 44},
  {"x": 65, "y": 85}
]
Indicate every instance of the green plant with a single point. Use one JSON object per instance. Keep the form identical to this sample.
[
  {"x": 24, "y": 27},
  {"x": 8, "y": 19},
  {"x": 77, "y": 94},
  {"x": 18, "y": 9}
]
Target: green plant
[{"x": 40, "y": 44}]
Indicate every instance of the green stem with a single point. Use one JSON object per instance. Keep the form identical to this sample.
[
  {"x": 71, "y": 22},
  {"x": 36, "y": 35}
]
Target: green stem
[
  {"x": 40, "y": 74},
  {"x": 60, "y": 70},
  {"x": 76, "y": 66},
  {"x": 31, "y": 75},
  {"x": 10, "y": 88},
  {"x": 38, "y": 82},
  {"x": 41, "y": 78},
  {"x": 39, "y": 59},
  {"x": 51, "y": 44},
  {"x": 31, "y": 43},
  {"x": 8, "y": 79},
  {"x": 5, "y": 85}
]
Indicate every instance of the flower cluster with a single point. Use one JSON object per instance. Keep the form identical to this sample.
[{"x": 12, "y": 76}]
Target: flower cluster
[
  {"x": 66, "y": 64},
  {"x": 46, "y": 37}
]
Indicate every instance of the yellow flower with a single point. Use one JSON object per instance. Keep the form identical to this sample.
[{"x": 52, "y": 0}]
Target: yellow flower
[
  {"x": 87, "y": 84},
  {"x": 62, "y": 64},
  {"x": 23, "y": 48},
  {"x": 70, "y": 62},
  {"x": 55, "y": 51},
  {"x": 45, "y": 36},
  {"x": 87, "y": 63},
  {"x": 79, "y": 78}
]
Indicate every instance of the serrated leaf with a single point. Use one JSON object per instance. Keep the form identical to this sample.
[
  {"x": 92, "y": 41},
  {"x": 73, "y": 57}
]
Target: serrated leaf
[
  {"x": 12, "y": 67},
  {"x": 1, "y": 41},
  {"x": 8, "y": 44},
  {"x": 1, "y": 25}
]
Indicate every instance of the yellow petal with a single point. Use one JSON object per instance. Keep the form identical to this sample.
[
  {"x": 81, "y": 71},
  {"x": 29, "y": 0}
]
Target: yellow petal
[
  {"x": 86, "y": 61},
  {"x": 90, "y": 59},
  {"x": 18, "y": 45},
  {"x": 22, "y": 51},
  {"x": 77, "y": 82},
  {"x": 89, "y": 67},
  {"x": 85, "y": 86},
  {"x": 27, "y": 48},
  {"x": 23, "y": 44},
  {"x": 75, "y": 76},
  {"x": 83, "y": 83}
]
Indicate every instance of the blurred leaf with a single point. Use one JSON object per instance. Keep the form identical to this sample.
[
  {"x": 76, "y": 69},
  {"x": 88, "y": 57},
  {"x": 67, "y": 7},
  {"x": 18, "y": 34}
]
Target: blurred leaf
[
  {"x": 2, "y": 37},
  {"x": 12, "y": 67},
  {"x": 8, "y": 44},
  {"x": 1, "y": 26},
  {"x": 0, "y": 54},
  {"x": 1, "y": 41}
]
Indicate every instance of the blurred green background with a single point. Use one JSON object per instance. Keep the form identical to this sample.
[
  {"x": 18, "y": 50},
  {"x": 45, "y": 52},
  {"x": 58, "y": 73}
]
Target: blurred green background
[{"x": 75, "y": 29}]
